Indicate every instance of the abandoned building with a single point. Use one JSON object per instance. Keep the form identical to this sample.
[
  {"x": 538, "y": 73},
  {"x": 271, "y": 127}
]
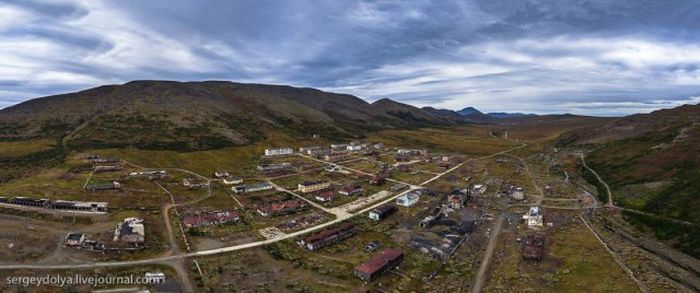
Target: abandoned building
[
  {"x": 325, "y": 196},
  {"x": 353, "y": 148},
  {"x": 103, "y": 186},
  {"x": 105, "y": 168},
  {"x": 433, "y": 247},
  {"x": 304, "y": 149},
  {"x": 96, "y": 159},
  {"x": 333, "y": 157},
  {"x": 533, "y": 218},
  {"x": 192, "y": 183},
  {"x": 328, "y": 236},
  {"x": 311, "y": 186},
  {"x": 478, "y": 189},
  {"x": 66, "y": 205},
  {"x": 339, "y": 147},
  {"x": 75, "y": 239},
  {"x": 533, "y": 247},
  {"x": 252, "y": 187},
  {"x": 221, "y": 174},
  {"x": 397, "y": 187},
  {"x": 231, "y": 180},
  {"x": 411, "y": 152},
  {"x": 268, "y": 168},
  {"x": 381, "y": 212},
  {"x": 351, "y": 190},
  {"x": 94, "y": 207},
  {"x": 427, "y": 222},
  {"x": 378, "y": 264},
  {"x": 278, "y": 152},
  {"x": 210, "y": 218},
  {"x": 301, "y": 222},
  {"x": 151, "y": 175},
  {"x": 430, "y": 220},
  {"x": 131, "y": 231},
  {"x": 31, "y": 202},
  {"x": 315, "y": 151},
  {"x": 377, "y": 179},
  {"x": 456, "y": 200},
  {"x": 282, "y": 207},
  {"x": 516, "y": 193},
  {"x": 409, "y": 199}
]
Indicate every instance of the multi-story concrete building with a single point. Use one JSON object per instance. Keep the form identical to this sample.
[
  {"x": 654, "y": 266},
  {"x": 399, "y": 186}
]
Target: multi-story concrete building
[
  {"x": 311, "y": 186},
  {"x": 380, "y": 213},
  {"x": 279, "y": 152},
  {"x": 408, "y": 199},
  {"x": 533, "y": 218}
]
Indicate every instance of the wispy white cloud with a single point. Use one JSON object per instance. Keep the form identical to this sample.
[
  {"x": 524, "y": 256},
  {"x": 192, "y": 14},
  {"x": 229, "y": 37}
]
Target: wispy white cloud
[{"x": 545, "y": 75}]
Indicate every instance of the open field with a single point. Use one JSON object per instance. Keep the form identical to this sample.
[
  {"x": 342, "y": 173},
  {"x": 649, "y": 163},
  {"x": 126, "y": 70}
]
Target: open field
[
  {"x": 22, "y": 148},
  {"x": 465, "y": 141},
  {"x": 574, "y": 260}
]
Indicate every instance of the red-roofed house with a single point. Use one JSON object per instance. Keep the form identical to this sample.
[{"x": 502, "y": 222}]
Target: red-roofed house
[
  {"x": 328, "y": 236},
  {"x": 210, "y": 218},
  {"x": 380, "y": 263},
  {"x": 325, "y": 196},
  {"x": 282, "y": 207}
]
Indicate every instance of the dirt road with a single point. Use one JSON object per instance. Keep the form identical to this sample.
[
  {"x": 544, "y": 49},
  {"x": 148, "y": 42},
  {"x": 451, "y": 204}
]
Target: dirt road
[{"x": 481, "y": 277}]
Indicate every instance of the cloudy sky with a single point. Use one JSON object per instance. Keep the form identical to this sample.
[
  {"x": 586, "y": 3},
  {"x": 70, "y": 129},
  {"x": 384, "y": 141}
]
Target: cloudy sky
[{"x": 597, "y": 57}]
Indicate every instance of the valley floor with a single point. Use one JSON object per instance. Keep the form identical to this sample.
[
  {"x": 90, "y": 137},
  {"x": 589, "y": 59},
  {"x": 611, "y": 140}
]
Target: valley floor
[{"x": 474, "y": 246}]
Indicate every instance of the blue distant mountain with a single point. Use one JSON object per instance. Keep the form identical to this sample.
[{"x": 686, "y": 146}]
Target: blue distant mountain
[
  {"x": 469, "y": 111},
  {"x": 501, "y": 115},
  {"x": 474, "y": 113}
]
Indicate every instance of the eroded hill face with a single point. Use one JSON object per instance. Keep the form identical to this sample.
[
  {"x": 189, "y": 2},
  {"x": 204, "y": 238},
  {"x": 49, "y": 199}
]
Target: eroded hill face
[{"x": 202, "y": 115}]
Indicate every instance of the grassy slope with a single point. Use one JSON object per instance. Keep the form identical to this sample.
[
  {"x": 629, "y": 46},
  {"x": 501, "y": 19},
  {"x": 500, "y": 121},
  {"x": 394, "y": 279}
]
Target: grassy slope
[
  {"x": 466, "y": 140},
  {"x": 635, "y": 162},
  {"x": 189, "y": 116}
]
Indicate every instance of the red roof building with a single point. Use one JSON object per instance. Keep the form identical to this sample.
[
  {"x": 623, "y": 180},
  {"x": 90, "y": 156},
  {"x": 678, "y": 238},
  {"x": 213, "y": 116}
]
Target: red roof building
[
  {"x": 282, "y": 207},
  {"x": 325, "y": 196},
  {"x": 533, "y": 248},
  {"x": 378, "y": 179},
  {"x": 380, "y": 263},
  {"x": 328, "y": 236},
  {"x": 210, "y": 218}
]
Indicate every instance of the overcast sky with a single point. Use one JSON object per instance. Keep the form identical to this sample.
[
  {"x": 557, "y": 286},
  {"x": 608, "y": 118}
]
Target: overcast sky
[{"x": 598, "y": 57}]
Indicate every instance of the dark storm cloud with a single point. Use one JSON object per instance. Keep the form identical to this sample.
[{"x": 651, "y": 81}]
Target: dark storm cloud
[{"x": 592, "y": 57}]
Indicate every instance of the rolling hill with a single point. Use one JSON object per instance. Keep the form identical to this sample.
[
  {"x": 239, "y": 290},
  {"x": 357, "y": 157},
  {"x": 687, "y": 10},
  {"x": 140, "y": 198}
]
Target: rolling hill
[
  {"x": 203, "y": 115},
  {"x": 652, "y": 163}
]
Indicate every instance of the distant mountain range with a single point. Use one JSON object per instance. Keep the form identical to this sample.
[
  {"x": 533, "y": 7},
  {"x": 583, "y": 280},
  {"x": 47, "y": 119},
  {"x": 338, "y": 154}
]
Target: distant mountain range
[
  {"x": 210, "y": 114},
  {"x": 476, "y": 114}
]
